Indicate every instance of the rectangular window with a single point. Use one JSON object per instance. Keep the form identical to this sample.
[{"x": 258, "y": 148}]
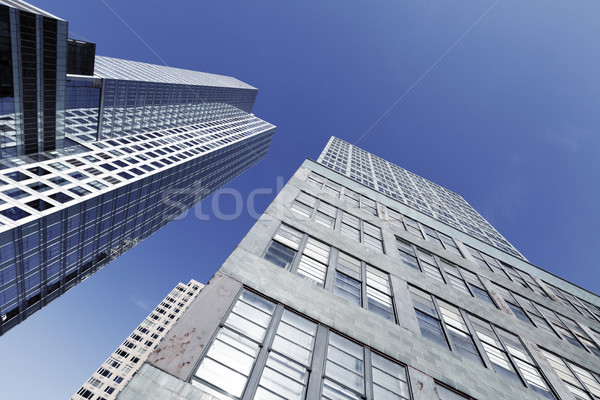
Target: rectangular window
[
  {"x": 344, "y": 367},
  {"x": 458, "y": 333},
  {"x": 350, "y": 226},
  {"x": 348, "y": 278},
  {"x": 407, "y": 254},
  {"x": 476, "y": 287},
  {"x": 509, "y": 357},
  {"x": 372, "y": 236},
  {"x": 284, "y": 246},
  {"x": 379, "y": 293},
  {"x": 227, "y": 364},
  {"x": 412, "y": 226},
  {"x": 326, "y": 215},
  {"x": 351, "y": 198},
  {"x": 427, "y": 316},
  {"x": 304, "y": 204},
  {"x": 583, "y": 384},
  {"x": 314, "y": 261}
]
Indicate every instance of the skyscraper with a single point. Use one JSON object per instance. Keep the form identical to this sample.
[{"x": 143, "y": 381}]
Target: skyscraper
[
  {"x": 97, "y": 153},
  {"x": 364, "y": 281}
]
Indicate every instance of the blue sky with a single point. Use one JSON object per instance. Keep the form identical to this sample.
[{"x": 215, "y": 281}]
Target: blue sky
[{"x": 508, "y": 119}]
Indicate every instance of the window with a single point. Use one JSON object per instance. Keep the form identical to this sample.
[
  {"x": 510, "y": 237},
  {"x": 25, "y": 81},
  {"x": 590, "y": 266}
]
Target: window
[
  {"x": 487, "y": 262},
  {"x": 348, "y": 278},
  {"x": 458, "y": 333},
  {"x": 104, "y": 372},
  {"x": 229, "y": 360},
  {"x": 113, "y": 362},
  {"x": 419, "y": 259},
  {"x": 533, "y": 313},
  {"x": 122, "y": 353},
  {"x": 412, "y": 226},
  {"x": 282, "y": 356},
  {"x": 379, "y": 293},
  {"x": 583, "y": 384},
  {"x": 304, "y": 204},
  {"x": 283, "y": 247},
  {"x": 316, "y": 180},
  {"x": 509, "y": 357},
  {"x": 375, "y": 294},
  {"x": 314, "y": 261},
  {"x": 95, "y": 383},
  {"x": 450, "y": 330},
  {"x": 350, "y": 226},
  {"x": 476, "y": 287},
  {"x": 569, "y": 330},
  {"x": 344, "y": 367},
  {"x": 371, "y": 234},
  {"x": 428, "y": 316},
  {"x": 86, "y": 394}
]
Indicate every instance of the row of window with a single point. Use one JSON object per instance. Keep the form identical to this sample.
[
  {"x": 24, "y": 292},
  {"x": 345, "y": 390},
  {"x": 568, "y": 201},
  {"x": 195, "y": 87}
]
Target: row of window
[
  {"x": 477, "y": 340},
  {"x": 469, "y": 283},
  {"x": 325, "y": 214},
  {"x": 546, "y": 319},
  {"x": 263, "y": 351},
  {"x": 155, "y": 145},
  {"x": 349, "y": 278},
  {"x": 349, "y": 225},
  {"x": 370, "y": 288}
]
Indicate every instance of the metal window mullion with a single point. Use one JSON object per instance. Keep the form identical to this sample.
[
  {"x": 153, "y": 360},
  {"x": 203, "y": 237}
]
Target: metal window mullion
[
  {"x": 467, "y": 283},
  {"x": 313, "y": 213},
  {"x": 261, "y": 358},
  {"x": 361, "y": 231},
  {"x": 443, "y": 324},
  {"x": 364, "y": 301},
  {"x": 416, "y": 255},
  {"x": 583, "y": 386},
  {"x": 368, "y": 373},
  {"x": 296, "y": 261},
  {"x": 423, "y": 233},
  {"x": 337, "y": 225},
  {"x": 510, "y": 356},
  {"x": 476, "y": 341},
  {"x": 317, "y": 368},
  {"x": 443, "y": 273},
  {"x": 331, "y": 268}
]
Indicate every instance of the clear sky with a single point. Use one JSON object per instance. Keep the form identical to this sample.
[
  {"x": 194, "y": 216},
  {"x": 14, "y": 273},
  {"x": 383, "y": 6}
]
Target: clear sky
[{"x": 503, "y": 111}]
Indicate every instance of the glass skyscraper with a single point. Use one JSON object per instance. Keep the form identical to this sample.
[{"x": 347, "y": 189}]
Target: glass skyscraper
[
  {"x": 364, "y": 281},
  {"x": 97, "y": 153}
]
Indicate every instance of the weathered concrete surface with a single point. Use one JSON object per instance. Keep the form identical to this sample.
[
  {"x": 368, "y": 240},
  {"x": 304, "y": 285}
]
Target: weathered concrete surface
[{"x": 179, "y": 351}]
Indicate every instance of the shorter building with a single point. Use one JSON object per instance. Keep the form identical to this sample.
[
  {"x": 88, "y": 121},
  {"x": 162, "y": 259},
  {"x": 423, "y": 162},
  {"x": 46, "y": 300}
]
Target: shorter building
[{"x": 123, "y": 363}]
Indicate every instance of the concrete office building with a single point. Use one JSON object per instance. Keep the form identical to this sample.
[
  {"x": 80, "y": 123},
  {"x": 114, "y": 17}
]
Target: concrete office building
[
  {"x": 364, "y": 281},
  {"x": 97, "y": 153},
  {"x": 123, "y": 363}
]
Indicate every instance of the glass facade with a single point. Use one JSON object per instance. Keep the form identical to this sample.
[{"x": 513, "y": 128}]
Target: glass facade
[
  {"x": 94, "y": 161},
  {"x": 32, "y": 103}
]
